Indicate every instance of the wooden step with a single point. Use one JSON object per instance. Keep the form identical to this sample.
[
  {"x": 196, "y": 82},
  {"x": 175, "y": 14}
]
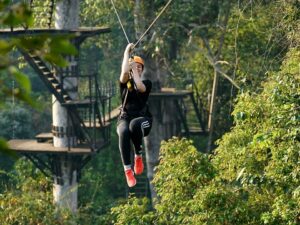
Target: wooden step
[
  {"x": 56, "y": 85},
  {"x": 67, "y": 98},
  {"x": 53, "y": 80},
  {"x": 49, "y": 75},
  {"x": 38, "y": 62},
  {"x": 43, "y": 68},
  {"x": 44, "y": 137}
]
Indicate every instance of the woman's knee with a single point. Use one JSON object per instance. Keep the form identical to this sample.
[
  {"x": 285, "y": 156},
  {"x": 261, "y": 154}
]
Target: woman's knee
[
  {"x": 134, "y": 126},
  {"x": 122, "y": 129}
]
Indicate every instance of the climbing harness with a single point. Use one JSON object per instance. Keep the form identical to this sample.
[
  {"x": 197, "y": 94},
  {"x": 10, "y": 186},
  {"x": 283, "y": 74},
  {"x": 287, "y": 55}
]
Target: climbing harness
[{"x": 150, "y": 26}]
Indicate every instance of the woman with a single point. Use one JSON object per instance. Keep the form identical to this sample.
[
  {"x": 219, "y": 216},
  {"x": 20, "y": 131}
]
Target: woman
[{"x": 135, "y": 120}]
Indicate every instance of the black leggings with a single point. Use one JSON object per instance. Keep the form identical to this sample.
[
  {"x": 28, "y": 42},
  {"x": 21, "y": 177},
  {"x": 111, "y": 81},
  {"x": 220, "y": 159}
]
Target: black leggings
[{"x": 134, "y": 129}]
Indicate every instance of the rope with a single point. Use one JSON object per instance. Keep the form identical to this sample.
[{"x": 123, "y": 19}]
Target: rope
[
  {"x": 142, "y": 36},
  {"x": 116, "y": 12}
]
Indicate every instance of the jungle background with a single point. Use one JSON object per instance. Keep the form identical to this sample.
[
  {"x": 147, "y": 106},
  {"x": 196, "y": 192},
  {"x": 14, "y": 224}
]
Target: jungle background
[{"x": 252, "y": 174}]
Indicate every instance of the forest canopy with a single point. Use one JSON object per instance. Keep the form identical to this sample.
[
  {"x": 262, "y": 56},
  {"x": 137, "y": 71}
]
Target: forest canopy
[{"x": 251, "y": 175}]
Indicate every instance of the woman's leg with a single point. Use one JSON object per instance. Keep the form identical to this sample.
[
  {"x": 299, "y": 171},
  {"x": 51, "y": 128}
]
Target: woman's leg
[
  {"x": 139, "y": 128},
  {"x": 124, "y": 141}
]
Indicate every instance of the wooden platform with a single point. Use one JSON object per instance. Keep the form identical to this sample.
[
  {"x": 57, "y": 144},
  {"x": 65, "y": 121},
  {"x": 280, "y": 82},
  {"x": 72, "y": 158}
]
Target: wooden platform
[
  {"x": 112, "y": 114},
  {"x": 170, "y": 93},
  {"x": 82, "y": 31},
  {"x": 96, "y": 125},
  {"x": 79, "y": 103},
  {"x": 32, "y": 146}
]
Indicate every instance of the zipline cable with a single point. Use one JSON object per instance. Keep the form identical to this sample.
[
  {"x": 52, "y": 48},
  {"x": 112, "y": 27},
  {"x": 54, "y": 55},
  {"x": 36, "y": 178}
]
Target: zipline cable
[
  {"x": 142, "y": 36},
  {"x": 116, "y": 12}
]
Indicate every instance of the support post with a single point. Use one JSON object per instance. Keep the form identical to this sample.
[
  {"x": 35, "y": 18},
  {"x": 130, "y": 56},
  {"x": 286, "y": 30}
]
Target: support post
[{"x": 65, "y": 186}]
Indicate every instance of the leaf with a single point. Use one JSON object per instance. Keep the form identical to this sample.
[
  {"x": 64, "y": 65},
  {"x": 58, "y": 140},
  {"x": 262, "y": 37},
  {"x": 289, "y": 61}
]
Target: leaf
[
  {"x": 5, "y": 47},
  {"x": 61, "y": 45},
  {"x": 21, "y": 78},
  {"x": 30, "y": 43},
  {"x": 4, "y": 4},
  {"x": 4, "y": 62},
  {"x": 56, "y": 59},
  {"x": 5, "y": 149},
  {"x": 25, "y": 97},
  {"x": 17, "y": 14}
]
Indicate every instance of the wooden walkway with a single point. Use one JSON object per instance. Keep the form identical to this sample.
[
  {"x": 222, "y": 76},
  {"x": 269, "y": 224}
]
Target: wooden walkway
[{"x": 32, "y": 146}]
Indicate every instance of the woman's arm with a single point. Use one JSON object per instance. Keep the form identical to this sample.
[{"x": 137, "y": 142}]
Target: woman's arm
[
  {"x": 124, "y": 77},
  {"x": 137, "y": 79}
]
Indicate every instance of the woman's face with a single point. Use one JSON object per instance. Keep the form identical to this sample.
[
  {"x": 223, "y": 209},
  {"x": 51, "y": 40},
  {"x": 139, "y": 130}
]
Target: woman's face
[{"x": 139, "y": 68}]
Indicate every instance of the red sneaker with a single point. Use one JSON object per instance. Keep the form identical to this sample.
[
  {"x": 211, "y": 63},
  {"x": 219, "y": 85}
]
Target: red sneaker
[
  {"x": 138, "y": 165},
  {"x": 131, "y": 181}
]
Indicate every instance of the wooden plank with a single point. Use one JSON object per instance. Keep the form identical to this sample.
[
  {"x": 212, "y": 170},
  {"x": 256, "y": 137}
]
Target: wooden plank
[
  {"x": 32, "y": 146},
  {"x": 43, "y": 137}
]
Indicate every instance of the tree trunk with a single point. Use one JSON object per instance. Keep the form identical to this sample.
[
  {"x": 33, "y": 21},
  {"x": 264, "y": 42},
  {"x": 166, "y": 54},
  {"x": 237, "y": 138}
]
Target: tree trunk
[
  {"x": 214, "y": 59},
  {"x": 211, "y": 117},
  {"x": 65, "y": 184}
]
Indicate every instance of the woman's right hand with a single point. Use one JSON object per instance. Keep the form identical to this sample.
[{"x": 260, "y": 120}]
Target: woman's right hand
[
  {"x": 128, "y": 49},
  {"x": 125, "y": 64}
]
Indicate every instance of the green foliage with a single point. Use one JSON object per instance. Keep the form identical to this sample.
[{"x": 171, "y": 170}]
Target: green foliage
[
  {"x": 218, "y": 203},
  {"x": 181, "y": 172},
  {"x": 254, "y": 45},
  {"x": 28, "y": 200},
  {"x": 262, "y": 151},
  {"x": 15, "y": 122},
  {"x": 253, "y": 176},
  {"x": 15, "y": 15},
  {"x": 41, "y": 13},
  {"x": 134, "y": 211}
]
